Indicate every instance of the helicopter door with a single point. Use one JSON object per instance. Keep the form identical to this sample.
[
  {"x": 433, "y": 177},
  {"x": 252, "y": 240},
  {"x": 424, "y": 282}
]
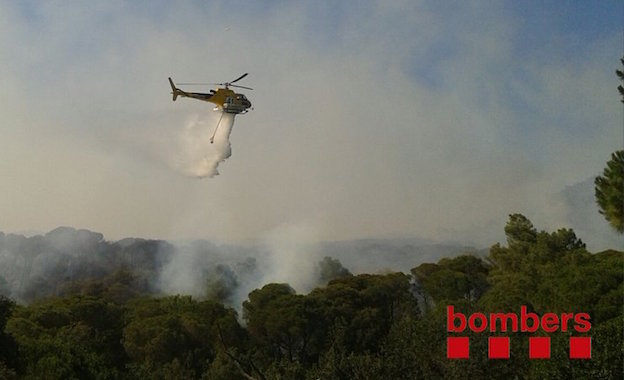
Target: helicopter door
[{"x": 227, "y": 102}]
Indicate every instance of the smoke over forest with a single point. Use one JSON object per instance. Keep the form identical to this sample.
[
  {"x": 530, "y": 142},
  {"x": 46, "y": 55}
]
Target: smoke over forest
[
  {"x": 65, "y": 260},
  {"x": 94, "y": 316}
]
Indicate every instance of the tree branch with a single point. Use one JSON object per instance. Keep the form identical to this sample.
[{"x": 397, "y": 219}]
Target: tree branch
[{"x": 239, "y": 363}]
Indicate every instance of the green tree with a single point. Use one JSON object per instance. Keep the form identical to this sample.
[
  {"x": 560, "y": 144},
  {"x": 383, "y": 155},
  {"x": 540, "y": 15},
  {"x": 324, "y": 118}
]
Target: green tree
[
  {"x": 609, "y": 191},
  {"x": 523, "y": 272},
  {"x": 359, "y": 311},
  {"x": 462, "y": 277},
  {"x": 519, "y": 230},
  {"x": 284, "y": 324},
  {"x": 6, "y": 372},
  {"x": 370, "y": 323},
  {"x": 8, "y": 346},
  {"x": 620, "y": 75},
  {"x": 553, "y": 272},
  {"x": 176, "y": 335},
  {"x": 77, "y": 337},
  {"x": 521, "y": 235}
]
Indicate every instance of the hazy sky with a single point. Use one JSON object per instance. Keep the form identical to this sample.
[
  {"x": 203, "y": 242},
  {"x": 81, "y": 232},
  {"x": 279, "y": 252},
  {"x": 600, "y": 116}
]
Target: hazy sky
[{"x": 372, "y": 118}]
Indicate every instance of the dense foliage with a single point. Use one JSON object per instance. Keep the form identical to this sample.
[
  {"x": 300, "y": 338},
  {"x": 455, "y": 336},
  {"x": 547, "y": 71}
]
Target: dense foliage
[
  {"x": 609, "y": 191},
  {"x": 367, "y": 326}
]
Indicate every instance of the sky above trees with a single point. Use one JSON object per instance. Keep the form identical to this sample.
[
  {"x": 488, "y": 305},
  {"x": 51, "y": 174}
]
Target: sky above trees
[{"x": 383, "y": 119}]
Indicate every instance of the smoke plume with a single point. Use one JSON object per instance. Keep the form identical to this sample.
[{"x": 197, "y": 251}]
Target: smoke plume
[
  {"x": 203, "y": 144},
  {"x": 69, "y": 261}
]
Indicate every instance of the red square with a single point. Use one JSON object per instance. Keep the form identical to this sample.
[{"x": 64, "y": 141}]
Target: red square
[
  {"x": 457, "y": 347},
  {"x": 539, "y": 347},
  {"x": 580, "y": 347},
  {"x": 498, "y": 347}
]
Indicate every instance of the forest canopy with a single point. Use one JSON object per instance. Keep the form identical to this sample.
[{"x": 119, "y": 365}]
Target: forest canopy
[{"x": 351, "y": 326}]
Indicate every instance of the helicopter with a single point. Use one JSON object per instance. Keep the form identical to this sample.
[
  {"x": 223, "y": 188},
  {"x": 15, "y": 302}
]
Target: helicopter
[{"x": 225, "y": 99}]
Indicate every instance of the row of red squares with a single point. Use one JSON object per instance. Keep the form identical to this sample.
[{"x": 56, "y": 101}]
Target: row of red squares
[{"x": 499, "y": 348}]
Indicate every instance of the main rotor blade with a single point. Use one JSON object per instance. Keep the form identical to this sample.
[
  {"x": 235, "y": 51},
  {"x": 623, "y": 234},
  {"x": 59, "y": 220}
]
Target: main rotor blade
[
  {"x": 246, "y": 88},
  {"x": 196, "y": 84},
  {"x": 239, "y": 78}
]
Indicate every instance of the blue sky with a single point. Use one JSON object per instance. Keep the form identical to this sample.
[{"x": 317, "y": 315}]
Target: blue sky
[{"x": 372, "y": 119}]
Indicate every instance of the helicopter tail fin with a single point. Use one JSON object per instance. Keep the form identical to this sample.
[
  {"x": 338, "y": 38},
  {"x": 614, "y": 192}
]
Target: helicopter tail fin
[{"x": 174, "y": 90}]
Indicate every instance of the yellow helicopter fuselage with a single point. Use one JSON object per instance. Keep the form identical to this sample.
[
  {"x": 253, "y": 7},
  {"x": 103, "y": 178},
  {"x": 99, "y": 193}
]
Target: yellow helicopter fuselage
[
  {"x": 230, "y": 101},
  {"x": 224, "y": 98}
]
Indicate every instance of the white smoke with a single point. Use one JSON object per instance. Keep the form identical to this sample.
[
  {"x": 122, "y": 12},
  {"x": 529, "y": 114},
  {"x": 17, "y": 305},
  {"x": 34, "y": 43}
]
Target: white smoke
[
  {"x": 196, "y": 155},
  {"x": 184, "y": 273},
  {"x": 291, "y": 257}
]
